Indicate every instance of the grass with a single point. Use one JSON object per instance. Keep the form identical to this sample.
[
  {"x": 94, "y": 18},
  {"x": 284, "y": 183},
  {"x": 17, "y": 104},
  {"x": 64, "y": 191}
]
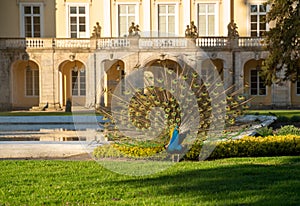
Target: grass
[{"x": 237, "y": 181}]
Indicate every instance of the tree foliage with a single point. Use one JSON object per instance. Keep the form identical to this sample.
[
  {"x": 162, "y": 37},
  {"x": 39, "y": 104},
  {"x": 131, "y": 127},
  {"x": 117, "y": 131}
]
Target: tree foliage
[{"x": 283, "y": 41}]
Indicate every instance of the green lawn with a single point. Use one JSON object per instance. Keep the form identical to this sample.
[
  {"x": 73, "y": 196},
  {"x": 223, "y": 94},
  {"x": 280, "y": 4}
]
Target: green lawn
[
  {"x": 286, "y": 113},
  {"x": 238, "y": 181}
]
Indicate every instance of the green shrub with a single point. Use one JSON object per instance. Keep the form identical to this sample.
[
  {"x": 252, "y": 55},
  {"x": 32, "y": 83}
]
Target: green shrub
[
  {"x": 283, "y": 119},
  {"x": 258, "y": 147},
  {"x": 265, "y": 131},
  {"x": 288, "y": 129},
  {"x": 194, "y": 151},
  {"x": 106, "y": 151},
  {"x": 126, "y": 150},
  {"x": 295, "y": 118}
]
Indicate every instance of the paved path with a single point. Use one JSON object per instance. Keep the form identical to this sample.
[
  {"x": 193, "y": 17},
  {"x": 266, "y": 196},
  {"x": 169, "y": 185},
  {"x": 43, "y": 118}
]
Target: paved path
[{"x": 37, "y": 149}]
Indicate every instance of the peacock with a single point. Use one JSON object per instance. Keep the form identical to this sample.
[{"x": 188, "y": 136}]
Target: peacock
[{"x": 173, "y": 107}]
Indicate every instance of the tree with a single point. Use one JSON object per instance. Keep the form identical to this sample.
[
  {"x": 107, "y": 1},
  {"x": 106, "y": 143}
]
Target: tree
[{"x": 283, "y": 41}]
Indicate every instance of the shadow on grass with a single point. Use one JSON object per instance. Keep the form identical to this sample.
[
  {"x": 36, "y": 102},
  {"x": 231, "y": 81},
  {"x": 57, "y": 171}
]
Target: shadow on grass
[
  {"x": 237, "y": 181},
  {"x": 241, "y": 184}
]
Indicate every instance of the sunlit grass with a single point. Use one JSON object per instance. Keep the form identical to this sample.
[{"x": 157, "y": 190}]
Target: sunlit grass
[
  {"x": 237, "y": 181},
  {"x": 286, "y": 113}
]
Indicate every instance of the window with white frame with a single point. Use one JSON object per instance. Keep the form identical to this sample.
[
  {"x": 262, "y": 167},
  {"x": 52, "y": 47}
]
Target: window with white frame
[
  {"x": 32, "y": 82},
  {"x": 258, "y": 25},
  {"x": 257, "y": 85},
  {"x": 207, "y": 19},
  {"x": 31, "y": 20},
  {"x": 78, "y": 83},
  {"x": 78, "y": 25},
  {"x": 166, "y": 19},
  {"x": 127, "y": 15}
]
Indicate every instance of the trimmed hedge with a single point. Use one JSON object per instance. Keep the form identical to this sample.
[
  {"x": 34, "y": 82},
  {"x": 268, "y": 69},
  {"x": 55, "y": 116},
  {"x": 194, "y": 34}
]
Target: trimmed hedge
[
  {"x": 124, "y": 150},
  {"x": 258, "y": 147},
  {"x": 245, "y": 147}
]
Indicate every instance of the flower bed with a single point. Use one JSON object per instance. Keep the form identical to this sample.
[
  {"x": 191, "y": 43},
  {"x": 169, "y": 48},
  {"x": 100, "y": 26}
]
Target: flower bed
[{"x": 246, "y": 147}]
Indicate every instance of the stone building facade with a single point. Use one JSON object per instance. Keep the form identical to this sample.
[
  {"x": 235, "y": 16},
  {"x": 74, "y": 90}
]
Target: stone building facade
[{"x": 52, "y": 51}]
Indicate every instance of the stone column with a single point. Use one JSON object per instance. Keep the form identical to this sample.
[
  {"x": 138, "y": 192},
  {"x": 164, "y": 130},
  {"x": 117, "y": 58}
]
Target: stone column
[
  {"x": 238, "y": 71},
  {"x": 281, "y": 92},
  {"x": 5, "y": 76},
  {"x": 49, "y": 82}
]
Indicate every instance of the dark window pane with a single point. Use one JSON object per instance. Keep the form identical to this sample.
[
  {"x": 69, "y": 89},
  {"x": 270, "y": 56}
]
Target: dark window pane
[
  {"x": 81, "y": 10},
  {"x": 36, "y": 82},
  {"x": 37, "y": 34},
  {"x": 262, "y": 8},
  {"x": 27, "y": 20},
  {"x": 253, "y": 79},
  {"x": 29, "y": 83},
  {"x": 254, "y": 26},
  {"x": 82, "y": 92},
  {"x": 74, "y": 83},
  {"x": 262, "y": 33},
  {"x": 253, "y": 33},
  {"x": 73, "y": 35},
  {"x": 82, "y": 28},
  {"x": 36, "y": 10},
  {"x": 253, "y": 18},
  {"x": 37, "y": 31},
  {"x": 73, "y": 28},
  {"x": 262, "y": 91},
  {"x": 73, "y": 20},
  {"x": 82, "y": 20},
  {"x": 253, "y": 8},
  {"x": 27, "y": 9},
  {"x": 253, "y": 91},
  {"x": 262, "y": 26},
  {"x": 82, "y": 83},
  {"x": 73, "y": 10},
  {"x": 262, "y": 18},
  {"x": 28, "y": 28},
  {"x": 36, "y": 20}
]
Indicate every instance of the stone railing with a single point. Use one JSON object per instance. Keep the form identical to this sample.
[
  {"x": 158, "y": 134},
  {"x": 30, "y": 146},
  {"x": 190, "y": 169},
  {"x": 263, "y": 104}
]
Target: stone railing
[
  {"x": 112, "y": 43},
  {"x": 160, "y": 43},
  {"x": 251, "y": 42},
  {"x": 204, "y": 42},
  {"x": 28, "y": 43},
  {"x": 121, "y": 43},
  {"x": 71, "y": 43}
]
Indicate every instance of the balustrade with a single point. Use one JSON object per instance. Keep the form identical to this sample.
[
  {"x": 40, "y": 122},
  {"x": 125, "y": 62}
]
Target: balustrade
[
  {"x": 119, "y": 43},
  {"x": 212, "y": 42},
  {"x": 251, "y": 42},
  {"x": 112, "y": 43},
  {"x": 15, "y": 43},
  {"x": 154, "y": 43},
  {"x": 72, "y": 43}
]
